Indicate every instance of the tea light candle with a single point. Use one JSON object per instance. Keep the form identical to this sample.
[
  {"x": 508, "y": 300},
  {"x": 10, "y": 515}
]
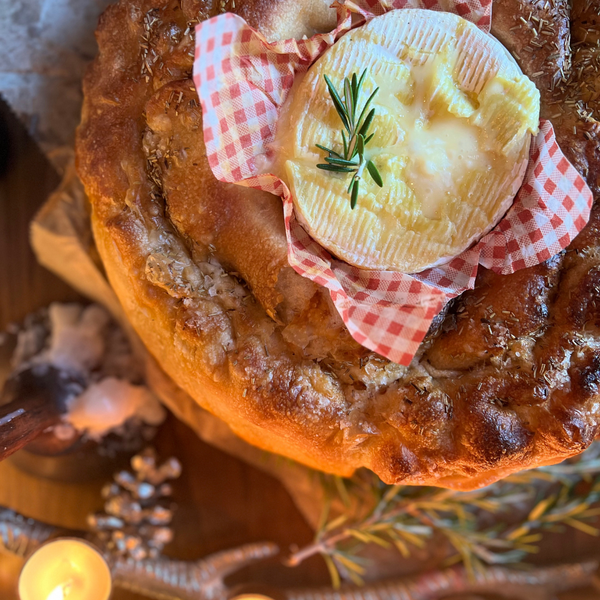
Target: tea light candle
[
  {"x": 251, "y": 597},
  {"x": 256, "y": 591},
  {"x": 65, "y": 569}
]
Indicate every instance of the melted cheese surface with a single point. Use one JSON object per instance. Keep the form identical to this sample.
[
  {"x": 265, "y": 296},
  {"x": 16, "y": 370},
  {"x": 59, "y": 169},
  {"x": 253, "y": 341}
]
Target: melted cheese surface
[{"x": 453, "y": 121}]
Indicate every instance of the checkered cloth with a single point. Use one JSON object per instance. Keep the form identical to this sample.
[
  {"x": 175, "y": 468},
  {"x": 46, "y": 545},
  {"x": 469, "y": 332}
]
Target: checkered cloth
[{"x": 243, "y": 81}]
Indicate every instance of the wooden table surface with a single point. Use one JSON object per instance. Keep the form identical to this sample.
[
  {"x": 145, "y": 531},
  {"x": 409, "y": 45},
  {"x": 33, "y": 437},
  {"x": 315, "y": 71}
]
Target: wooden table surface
[{"x": 222, "y": 501}]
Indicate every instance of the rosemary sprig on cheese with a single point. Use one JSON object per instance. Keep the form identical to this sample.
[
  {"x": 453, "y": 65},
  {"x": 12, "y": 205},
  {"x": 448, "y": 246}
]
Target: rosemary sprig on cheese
[{"x": 353, "y": 159}]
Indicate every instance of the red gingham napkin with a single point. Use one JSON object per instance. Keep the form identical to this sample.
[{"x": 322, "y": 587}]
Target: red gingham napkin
[{"x": 243, "y": 80}]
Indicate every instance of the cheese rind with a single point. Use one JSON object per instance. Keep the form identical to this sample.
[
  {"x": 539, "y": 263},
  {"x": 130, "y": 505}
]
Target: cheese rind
[{"x": 453, "y": 123}]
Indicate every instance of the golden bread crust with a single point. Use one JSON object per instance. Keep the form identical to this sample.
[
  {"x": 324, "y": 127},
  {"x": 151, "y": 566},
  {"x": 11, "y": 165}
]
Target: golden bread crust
[{"x": 508, "y": 376}]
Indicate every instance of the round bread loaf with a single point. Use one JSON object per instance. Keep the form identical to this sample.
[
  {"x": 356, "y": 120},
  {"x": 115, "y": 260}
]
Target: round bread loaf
[{"x": 507, "y": 377}]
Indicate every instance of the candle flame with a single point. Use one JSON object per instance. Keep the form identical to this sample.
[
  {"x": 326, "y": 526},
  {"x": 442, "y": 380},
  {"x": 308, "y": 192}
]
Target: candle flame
[{"x": 60, "y": 592}]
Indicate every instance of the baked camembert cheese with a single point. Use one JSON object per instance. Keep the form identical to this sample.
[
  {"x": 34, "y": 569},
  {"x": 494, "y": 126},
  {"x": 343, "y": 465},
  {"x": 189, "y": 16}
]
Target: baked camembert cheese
[{"x": 453, "y": 121}]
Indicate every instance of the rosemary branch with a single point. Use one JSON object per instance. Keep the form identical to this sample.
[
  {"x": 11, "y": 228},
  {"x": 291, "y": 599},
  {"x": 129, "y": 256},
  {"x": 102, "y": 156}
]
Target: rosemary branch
[
  {"x": 524, "y": 505},
  {"x": 353, "y": 158}
]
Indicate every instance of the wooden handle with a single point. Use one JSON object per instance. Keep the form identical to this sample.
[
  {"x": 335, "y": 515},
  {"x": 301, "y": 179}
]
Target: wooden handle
[
  {"x": 21, "y": 422},
  {"x": 35, "y": 400}
]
